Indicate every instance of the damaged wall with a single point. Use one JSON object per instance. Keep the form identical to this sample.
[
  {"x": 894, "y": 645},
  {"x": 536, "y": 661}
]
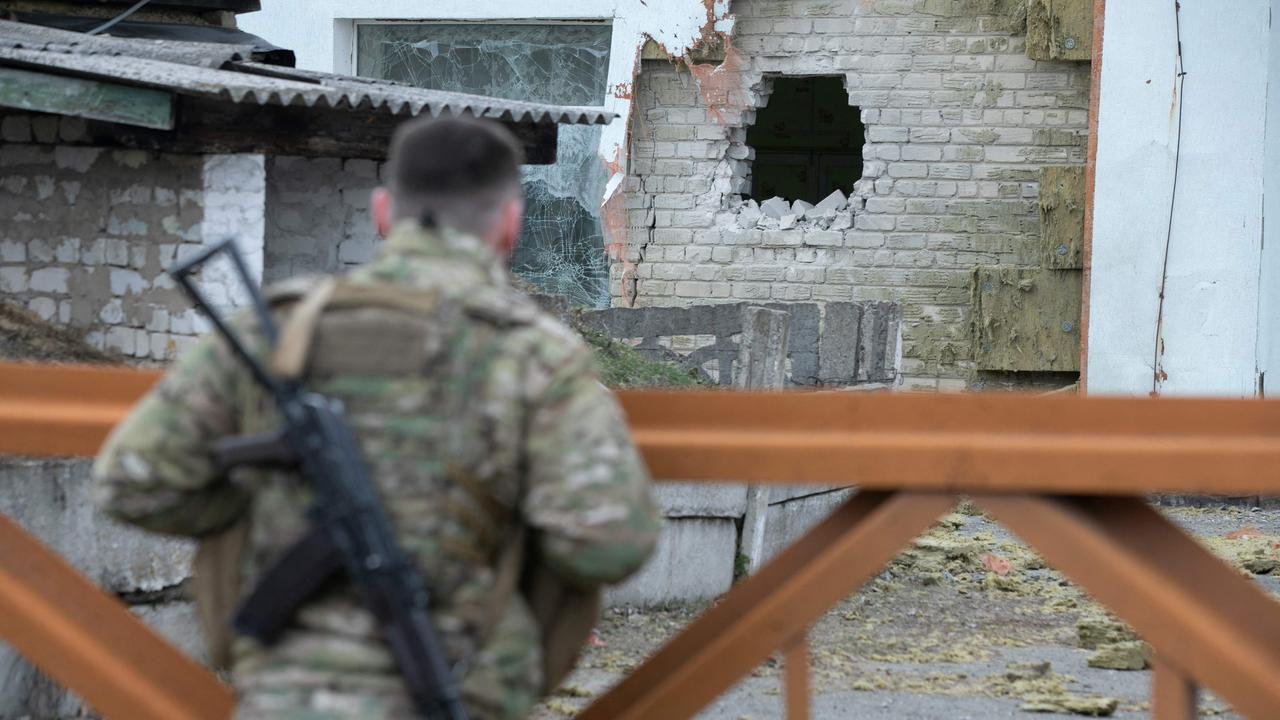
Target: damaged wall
[
  {"x": 958, "y": 123},
  {"x": 90, "y": 232},
  {"x": 317, "y": 215},
  {"x": 149, "y": 573}
]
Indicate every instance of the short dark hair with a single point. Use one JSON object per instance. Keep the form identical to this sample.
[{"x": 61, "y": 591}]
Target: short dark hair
[{"x": 460, "y": 170}]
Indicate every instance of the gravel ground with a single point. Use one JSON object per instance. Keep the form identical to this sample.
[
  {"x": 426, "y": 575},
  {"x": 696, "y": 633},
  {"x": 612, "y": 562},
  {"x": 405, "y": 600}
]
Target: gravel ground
[{"x": 939, "y": 635}]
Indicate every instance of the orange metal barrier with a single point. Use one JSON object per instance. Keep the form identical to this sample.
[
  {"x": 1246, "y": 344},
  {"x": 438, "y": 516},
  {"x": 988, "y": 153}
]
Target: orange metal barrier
[{"x": 1065, "y": 474}]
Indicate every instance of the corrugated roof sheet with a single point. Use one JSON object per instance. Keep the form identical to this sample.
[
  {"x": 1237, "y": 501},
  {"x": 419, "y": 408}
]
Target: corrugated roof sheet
[{"x": 227, "y": 72}]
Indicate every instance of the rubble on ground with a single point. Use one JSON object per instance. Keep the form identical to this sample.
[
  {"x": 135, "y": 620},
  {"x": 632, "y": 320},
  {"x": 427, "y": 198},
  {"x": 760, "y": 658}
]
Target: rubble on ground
[
  {"x": 834, "y": 212},
  {"x": 1127, "y": 655},
  {"x": 1249, "y": 549},
  {"x": 1095, "y": 631},
  {"x": 1070, "y": 703}
]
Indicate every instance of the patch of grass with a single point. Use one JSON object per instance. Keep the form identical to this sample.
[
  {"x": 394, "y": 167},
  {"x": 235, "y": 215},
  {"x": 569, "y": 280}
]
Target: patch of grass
[{"x": 622, "y": 366}]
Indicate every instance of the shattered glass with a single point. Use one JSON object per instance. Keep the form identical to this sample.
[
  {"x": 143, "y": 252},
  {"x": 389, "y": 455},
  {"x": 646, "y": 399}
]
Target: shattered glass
[{"x": 561, "y": 248}]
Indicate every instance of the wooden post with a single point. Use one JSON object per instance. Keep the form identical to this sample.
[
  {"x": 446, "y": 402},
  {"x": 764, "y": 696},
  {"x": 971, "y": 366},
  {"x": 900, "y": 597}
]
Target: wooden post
[
  {"x": 795, "y": 673},
  {"x": 1173, "y": 695},
  {"x": 762, "y": 365}
]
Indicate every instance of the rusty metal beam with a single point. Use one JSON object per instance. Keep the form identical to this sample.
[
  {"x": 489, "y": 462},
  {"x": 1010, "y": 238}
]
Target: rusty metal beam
[
  {"x": 89, "y": 642},
  {"x": 771, "y": 608},
  {"x": 1219, "y": 628}
]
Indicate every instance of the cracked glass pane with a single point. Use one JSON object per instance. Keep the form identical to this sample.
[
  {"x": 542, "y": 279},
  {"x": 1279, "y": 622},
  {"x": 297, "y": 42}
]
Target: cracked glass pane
[{"x": 561, "y": 249}]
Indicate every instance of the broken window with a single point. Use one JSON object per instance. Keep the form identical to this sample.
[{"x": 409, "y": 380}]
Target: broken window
[
  {"x": 807, "y": 140},
  {"x": 561, "y": 248}
]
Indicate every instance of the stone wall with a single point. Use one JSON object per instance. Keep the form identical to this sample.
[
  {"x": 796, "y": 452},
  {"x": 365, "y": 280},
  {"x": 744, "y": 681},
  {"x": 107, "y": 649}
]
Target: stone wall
[
  {"x": 318, "y": 215},
  {"x": 958, "y": 122},
  {"x": 89, "y": 233},
  {"x": 838, "y": 344}
]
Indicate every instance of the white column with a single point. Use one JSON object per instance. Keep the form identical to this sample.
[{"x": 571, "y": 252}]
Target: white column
[
  {"x": 235, "y": 203},
  {"x": 1210, "y": 314}
]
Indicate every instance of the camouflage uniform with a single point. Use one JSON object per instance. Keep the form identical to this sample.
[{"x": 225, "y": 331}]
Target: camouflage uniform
[{"x": 480, "y": 417}]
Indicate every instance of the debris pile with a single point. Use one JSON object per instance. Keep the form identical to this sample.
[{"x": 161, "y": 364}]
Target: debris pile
[
  {"x": 1249, "y": 549},
  {"x": 1095, "y": 631},
  {"x": 834, "y": 212},
  {"x": 1070, "y": 703},
  {"x": 1127, "y": 655},
  {"x": 1043, "y": 691}
]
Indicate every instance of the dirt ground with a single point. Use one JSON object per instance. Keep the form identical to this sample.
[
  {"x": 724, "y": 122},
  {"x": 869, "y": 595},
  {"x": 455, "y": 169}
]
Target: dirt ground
[{"x": 968, "y": 623}]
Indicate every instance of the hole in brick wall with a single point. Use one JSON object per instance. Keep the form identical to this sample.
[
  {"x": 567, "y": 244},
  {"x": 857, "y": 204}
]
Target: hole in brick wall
[{"x": 807, "y": 140}]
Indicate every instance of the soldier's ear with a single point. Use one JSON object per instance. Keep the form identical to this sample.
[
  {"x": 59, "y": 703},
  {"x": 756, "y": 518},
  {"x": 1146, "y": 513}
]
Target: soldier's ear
[
  {"x": 510, "y": 220},
  {"x": 380, "y": 206}
]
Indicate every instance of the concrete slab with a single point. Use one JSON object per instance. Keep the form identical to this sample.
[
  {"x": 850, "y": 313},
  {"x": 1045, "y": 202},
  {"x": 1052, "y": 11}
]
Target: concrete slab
[
  {"x": 790, "y": 519},
  {"x": 693, "y": 561},
  {"x": 50, "y": 499},
  {"x": 685, "y": 500}
]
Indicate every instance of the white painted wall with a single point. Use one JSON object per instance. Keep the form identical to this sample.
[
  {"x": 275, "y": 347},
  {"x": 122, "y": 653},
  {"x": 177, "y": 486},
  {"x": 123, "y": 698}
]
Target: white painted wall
[
  {"x": 322, "y": 34},
  {"x": 1211, "y": 311},
  {"x": 1269, "y": 298}
]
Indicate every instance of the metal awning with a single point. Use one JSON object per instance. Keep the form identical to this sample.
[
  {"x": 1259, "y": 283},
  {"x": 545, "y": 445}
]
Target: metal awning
[{"x": 213, "y": 90}]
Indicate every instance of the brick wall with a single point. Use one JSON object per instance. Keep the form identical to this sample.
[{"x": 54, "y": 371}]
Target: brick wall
[
  {"x": 90, "y": 232},
  {"x": 958, "y": 122},
  {"x": 318, "y": 215}
]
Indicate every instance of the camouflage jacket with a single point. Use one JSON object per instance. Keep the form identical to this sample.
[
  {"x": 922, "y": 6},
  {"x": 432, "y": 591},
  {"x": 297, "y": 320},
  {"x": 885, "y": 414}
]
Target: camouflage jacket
[{"x": 480, "y": 417}]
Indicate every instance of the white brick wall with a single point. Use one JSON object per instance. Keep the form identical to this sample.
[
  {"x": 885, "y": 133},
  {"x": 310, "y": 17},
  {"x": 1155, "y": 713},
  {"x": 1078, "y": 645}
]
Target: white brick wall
[
  {"x": 958, "y": 123},
  {"x": 90, "y": 233}
]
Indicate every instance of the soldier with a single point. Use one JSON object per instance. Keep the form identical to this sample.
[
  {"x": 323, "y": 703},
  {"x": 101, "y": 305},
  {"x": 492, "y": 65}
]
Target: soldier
[{"x": 504, "y": 462}]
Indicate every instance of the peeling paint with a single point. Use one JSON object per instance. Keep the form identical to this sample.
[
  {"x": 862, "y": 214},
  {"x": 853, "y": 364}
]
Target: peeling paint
[{"x": 680, "y": 28}]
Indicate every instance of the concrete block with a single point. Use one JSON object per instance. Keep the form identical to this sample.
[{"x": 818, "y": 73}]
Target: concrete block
[
  {"x": 15, "y": 129},
  {"x": 43, "y": 307},
  {"x": 775, "y": 207},
  {"x": 117, "y": 252},
  {"x": 838, "y": 351},
  {"x": 120, "y": 339},
  {"x": 13, "y": 279},
  {"x": 800, "y": 207},
  {"x": 177, "y": 623},
  {"x": 40, "y": 251},
  {"x": 50, "y": 280},
  {"x": 68, "y": 250},
  {"x": 693, "y": 561},
  {"x": 789, "y": 519},
  {"x": 12, "y": 251},
  {"x": 834, "y": 202},
  {"x": 50, "y": 499},
  {"x": 125, "y": 282},
  {"x": 94, "y": 253},
  {"x": 683, "y": 500}
]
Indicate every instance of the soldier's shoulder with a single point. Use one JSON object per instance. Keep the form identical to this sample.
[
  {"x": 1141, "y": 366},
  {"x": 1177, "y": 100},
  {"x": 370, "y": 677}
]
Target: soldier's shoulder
[{"x": 532, "y": 329}]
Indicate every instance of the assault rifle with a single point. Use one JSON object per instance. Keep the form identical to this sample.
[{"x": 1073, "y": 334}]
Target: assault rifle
[{"x": 350, "y": 529}]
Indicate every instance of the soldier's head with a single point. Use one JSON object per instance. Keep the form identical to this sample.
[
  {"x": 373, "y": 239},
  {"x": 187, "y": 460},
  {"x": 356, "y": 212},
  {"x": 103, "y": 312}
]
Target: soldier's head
[{"x": 460, "y": 172}]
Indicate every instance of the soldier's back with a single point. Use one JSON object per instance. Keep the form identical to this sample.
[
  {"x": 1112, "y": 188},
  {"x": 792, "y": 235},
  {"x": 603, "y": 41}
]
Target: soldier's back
[{"x": 439, "y": 361}]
